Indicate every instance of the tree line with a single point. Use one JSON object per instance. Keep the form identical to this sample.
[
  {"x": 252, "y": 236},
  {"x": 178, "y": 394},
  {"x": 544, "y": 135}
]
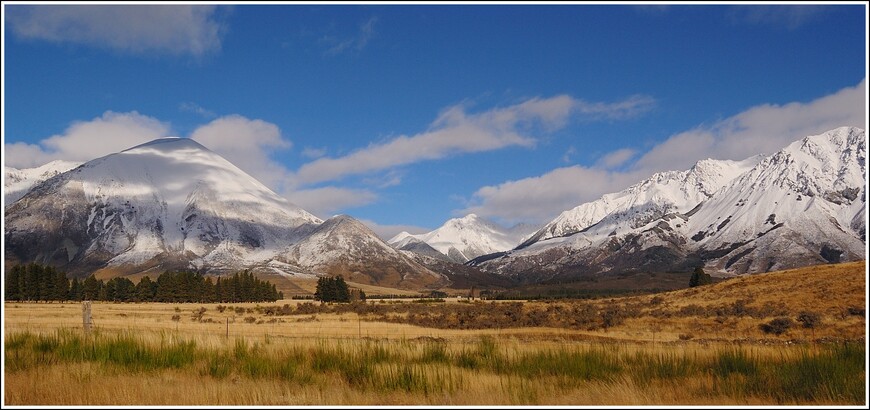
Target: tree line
[
  {"x": 35, "y": 282},
  {"x": 336, "y": 290}
]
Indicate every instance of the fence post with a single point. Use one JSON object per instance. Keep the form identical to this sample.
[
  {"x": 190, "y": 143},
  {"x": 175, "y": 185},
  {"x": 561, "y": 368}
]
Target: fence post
[{"x": 86, "y": 316}]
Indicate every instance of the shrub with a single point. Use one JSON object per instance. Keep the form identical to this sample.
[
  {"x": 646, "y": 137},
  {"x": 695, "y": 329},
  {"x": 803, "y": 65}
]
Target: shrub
[
  {"x": 776, "y": 326},
  {"x": 809, "y": 319},
  {"x": 699, "y": 277},
  {"x": 856, "y": 311}
]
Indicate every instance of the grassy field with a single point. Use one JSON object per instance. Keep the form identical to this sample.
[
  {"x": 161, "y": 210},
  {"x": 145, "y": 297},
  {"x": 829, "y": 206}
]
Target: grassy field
[{"x": 703, "y": 345}]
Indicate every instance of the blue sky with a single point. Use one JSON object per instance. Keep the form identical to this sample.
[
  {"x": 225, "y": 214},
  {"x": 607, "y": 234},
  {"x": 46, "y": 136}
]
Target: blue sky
[{"x": 405, "y": 116}]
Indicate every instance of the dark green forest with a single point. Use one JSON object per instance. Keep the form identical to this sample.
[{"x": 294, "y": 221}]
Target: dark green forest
[{"x": 35, "y": 282}]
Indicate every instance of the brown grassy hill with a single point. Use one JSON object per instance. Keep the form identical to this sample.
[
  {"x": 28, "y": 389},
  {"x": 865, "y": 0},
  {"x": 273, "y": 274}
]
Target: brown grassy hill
[{"x": 734, "y": 308}]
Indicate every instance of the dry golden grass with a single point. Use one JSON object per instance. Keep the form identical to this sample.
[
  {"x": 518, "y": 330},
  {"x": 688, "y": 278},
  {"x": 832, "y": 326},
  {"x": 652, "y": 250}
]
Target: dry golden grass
[
  {"x": 436, "y": 383},
  {"x": 829, "y": 290}
]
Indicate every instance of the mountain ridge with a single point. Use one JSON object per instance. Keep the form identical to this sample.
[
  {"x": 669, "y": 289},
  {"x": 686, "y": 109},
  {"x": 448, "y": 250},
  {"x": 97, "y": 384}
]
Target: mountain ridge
[
  {"x": 171, "y": 204},
  {"x": 757, "y": 221}
]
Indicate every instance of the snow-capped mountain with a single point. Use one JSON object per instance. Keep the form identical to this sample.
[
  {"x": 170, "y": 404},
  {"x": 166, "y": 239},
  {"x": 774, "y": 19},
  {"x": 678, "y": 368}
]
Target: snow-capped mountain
[
  {"x": 802, "y": 205},
  {"x": 170, "y": 202},
  {"x": 650, "y": 199},
  {"x": 173, "y": 204},
  {"x": 463, "y": 239},
  {"x": 16, "y": 182},
  {"x": 343, "y": 245}
]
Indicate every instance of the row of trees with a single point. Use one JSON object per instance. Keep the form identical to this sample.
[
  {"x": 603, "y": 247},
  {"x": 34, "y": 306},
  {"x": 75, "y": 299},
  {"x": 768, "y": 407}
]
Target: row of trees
[
  {"x": 336, "y": 290},
  {"x": 36, "y": 282}
]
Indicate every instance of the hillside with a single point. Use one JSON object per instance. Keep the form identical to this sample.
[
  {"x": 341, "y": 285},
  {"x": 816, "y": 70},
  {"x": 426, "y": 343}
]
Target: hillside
[{"x": 734, "y": 308}]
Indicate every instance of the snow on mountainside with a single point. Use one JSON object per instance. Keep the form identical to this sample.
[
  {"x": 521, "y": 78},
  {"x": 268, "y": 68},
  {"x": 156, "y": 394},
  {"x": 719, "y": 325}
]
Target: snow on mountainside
[
  {"x": 466, "y": 238},
  {"x": 17, "y": 182},
  {"x": 343, "y": 245},
  {"x": 660, "y": 194},
  {"x": 802, "y": 205},
  {"x": 169, "y": 202}
]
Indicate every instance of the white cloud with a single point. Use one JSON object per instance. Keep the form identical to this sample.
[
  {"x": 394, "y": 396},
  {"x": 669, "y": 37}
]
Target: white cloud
[
  {"x": 791, "y": 16},
  {"x": 761, "y": 129},
  {"x": 540, "y": 198},
  {"x": 86, "y": 140},
  {"x": 391, "y": 178},
  {"x": 616, "y": 158},
  {"x": 196, "y": 109},
  {"x": 324, "y": 201},
  {"x": 566, "y": 157},
  {"x": 456, "y": 131},
  {"x": 310, "y": 152},
  {"x": 356, "y": 43},
  {"x": 248, "y": 144},
  {"x": 135, "y": 29},
  {"x": 628, "y": 108}
]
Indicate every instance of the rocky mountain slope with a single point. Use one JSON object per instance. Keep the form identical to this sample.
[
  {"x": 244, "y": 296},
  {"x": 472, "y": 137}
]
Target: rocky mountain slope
[
  {"x": 174, "y": 204},
  {"x": 344, "y": 246},
  {"x": 800, "y": 206}
]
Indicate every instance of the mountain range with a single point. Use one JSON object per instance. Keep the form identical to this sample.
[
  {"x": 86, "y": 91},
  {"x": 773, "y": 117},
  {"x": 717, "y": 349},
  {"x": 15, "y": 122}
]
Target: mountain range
[
  {"x": 173, "y": 204},
  {"x": 800, "y": 206}
]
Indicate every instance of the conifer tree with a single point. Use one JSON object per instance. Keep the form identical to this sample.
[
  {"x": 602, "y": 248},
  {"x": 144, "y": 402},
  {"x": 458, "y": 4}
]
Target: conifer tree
[{"x": 699, "y": 278}]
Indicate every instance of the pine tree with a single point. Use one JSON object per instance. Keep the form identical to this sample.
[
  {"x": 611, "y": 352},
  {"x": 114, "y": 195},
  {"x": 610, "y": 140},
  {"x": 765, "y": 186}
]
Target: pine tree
[
  {"x": 321, "y": 288},
  {"x": 32, "y": 282},
  {"x": 75, "y": 290},
  {"x": 342, "y": 293},
  {"x": 145, "y": 290},
  {"x": 90, "y": 288},
  {"x": 699, "y": 278},
  {"x": 13, "y": 283},
  {"x": 61, "y": 286}
]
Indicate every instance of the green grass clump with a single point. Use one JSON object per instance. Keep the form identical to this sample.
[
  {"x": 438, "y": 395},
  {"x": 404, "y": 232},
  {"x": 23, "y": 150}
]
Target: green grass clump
[
  {"x": 647, "y": 367},
  {"x": 595, "y": 364},
  {"x": 434, "y": 352}
]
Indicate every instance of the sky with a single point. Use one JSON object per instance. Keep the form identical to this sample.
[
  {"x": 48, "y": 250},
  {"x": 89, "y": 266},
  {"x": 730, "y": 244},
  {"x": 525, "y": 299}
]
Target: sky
[{"x": 404, "y": 116}]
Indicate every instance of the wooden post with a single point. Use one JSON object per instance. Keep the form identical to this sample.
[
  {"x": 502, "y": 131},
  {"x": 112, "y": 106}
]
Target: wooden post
[
  {"x": 228, "y": 328},
  {"x": 86, "y": 316}
]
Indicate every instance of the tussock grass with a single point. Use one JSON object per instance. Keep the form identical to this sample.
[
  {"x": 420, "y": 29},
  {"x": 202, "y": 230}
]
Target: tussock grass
[{"x": 427, "y": 372}]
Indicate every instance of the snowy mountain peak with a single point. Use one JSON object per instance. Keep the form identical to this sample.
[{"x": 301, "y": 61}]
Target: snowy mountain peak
[
  {"x": 802, "y": 205},
  {"x": 466, "y": 238},
  {"x": 400, "y": 236},
  {"x": 168, "y": 144},
  {"x": 170, "y": 202},
  {"x": 17, "y": 182},
  {"x": 660, "y": 194}
]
